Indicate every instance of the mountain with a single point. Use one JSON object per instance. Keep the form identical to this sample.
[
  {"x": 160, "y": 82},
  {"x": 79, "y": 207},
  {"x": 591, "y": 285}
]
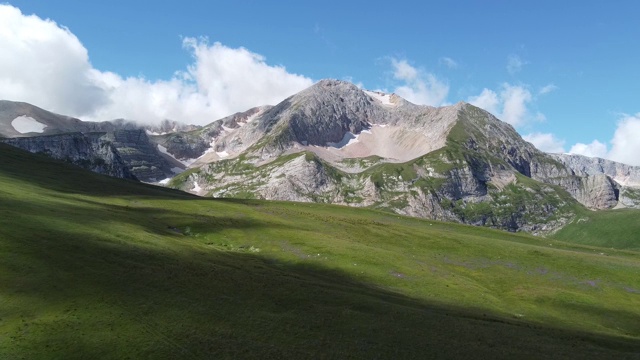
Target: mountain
[
  {"x": 625, "y": 178},
  {"x": 118, "y": 148},
  {"x": 19, "y": 119},
  {"x": 89, "y": 151},
  {"x": 99, "y": 267},
  {"x": 336, "y": 143}
]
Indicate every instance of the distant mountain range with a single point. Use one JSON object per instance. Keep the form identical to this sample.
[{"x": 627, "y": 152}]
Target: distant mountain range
[
  {"x": 117, "y": 148},
  {"x": 336, "y": 143}
]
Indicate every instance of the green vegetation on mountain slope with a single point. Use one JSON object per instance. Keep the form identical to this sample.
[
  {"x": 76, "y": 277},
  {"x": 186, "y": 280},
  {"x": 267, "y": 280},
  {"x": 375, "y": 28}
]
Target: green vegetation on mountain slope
[
  {"x": 94, "y": 267},
  {"x": 453, "y": 178},
  {"x": 619, "y": 229}
]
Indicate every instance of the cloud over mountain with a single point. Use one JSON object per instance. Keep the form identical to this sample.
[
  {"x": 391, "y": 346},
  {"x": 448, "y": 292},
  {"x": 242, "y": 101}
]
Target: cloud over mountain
[
  {"x": 510, "y": 104},
  {"x": 625, "y": 144},
  {"x": 418, "y": 86},
  {"x": 47, "y": 65}
]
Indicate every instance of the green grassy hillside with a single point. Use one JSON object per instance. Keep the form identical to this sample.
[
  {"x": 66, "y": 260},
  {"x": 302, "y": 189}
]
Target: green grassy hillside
[
  {"x": 94, "y": 267},
  {"x": 619, "y": 229}
]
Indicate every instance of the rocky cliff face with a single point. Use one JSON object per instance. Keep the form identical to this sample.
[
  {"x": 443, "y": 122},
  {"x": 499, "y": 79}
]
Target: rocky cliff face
[
  {"x": 89, "y": 151},
  {"x": 621, "y": 180},
  {"x": 338, "y": 144},
  {"x": 625, "y": 175},
  {"x": 121, "y": 153},
  {"x": 18, "y": 119},
  {"x": 210, "y": 140},
  {"x": 90, "y": 144},
  {"x": 141, "y": 155}
]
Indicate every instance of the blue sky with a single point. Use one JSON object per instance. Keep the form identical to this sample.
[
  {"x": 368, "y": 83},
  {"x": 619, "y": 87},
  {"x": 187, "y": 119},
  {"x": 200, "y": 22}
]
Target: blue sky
[{"x": 563, "y": 73}]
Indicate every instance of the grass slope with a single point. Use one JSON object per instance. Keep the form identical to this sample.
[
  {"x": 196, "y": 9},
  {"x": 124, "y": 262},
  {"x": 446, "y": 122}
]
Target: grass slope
[
  {"x": 619, "y": 229},
  {"x": 94, "y": 267}
]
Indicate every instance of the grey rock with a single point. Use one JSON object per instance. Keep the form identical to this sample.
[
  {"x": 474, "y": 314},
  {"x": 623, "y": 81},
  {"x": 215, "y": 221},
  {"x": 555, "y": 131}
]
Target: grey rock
[
  {"x": 456, "y": 163},
  {"x": 622, "y": 180},
  {"x": 55, "y": 123},
  {"x": 89, "y": 151},
  {"x": 121, "y": 153}
]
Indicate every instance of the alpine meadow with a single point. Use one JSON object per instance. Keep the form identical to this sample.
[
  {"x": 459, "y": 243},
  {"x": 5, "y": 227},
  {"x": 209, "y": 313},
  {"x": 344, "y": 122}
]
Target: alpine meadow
[{"x": 421, "y": 181}]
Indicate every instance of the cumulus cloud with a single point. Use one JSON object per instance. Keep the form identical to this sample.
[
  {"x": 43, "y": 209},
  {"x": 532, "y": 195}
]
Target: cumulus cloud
[
  {"x": 594, "y": 149},
  {"x": 448, "y": 62},
  {"x": 510, "y": 104},
  {"x": 403, "y": 71},
  {"x": 545, "y": 142},
  {"x": 45, "y": 64},
  {"x": 418, "y": 86},
  {"x": 547, "y": 89},
  {"x": 515, "y": 64},
  {"x": 625, "y": 144}
]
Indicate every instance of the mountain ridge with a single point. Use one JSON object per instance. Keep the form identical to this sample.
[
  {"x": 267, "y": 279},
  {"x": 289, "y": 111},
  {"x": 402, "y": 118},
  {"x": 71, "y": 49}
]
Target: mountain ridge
[
  {"x": 117, "y": 148},
  {"x": 336, "y": 143},
  {"x": 463, "y": 157}
]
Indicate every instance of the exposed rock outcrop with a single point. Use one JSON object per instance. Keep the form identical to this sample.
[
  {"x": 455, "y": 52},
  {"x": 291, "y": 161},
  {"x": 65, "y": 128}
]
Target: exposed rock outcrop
[
  {"x": 338, "y": 144},
  {"x": 121, "y": 153},
  {"x": 50, "y": 123},
  {"x": 623, "y": 181},
  {"x": 89, "y": 151}
]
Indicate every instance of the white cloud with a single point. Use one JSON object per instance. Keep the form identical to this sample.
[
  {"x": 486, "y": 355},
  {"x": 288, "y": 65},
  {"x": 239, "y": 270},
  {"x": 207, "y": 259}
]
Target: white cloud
[
  {"x": 515, "y": 64},
  {"x": 510, "y": 105},
  {"x": 488, "y": 100},
  {"x": 46, "y": 64},
  {"x": 49, "y": 67},
  {"x": 594, "y": 149},
  {"x": 547, "y": 89},
  {"x": 419, "y": 87},
  {"x": 448, "y": 62},
  {"x": 625, "y": 145},
  {"x": 515, "y": 100},
  {"x": 545, "y": 142},
  {"x": 403, "y": 71}
]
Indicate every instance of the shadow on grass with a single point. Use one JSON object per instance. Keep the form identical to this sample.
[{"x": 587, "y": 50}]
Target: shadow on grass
[
  {"x": 67, "y": 294},
  {"x": 97, "y": 219},
  {"x": 52, "y": 174},
  {"x": 85, "y": 298}
]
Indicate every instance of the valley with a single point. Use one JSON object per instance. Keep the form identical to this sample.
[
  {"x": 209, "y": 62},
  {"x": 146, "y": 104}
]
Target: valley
[{"x": 97, "y": 266}]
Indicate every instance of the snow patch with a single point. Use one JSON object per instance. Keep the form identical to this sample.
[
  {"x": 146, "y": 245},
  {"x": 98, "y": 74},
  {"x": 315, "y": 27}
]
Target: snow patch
[
  {"x": 26, "y": 124},
  {"x": 186, "y": 162},
  {"x": 196, "y": 187},
  {"x": 177, "y": 170},
  {"x": 163, "y": 150},
  {"x": 222, "y": 154},
  {"x": 348, "y": 139},
  {"x": 212, "y": 146},
  {"x": 164, "y": 182},
  {"x": 385, "y": 99},
  {"x": 249, "y": 119},
  {"x": 372, "y": 125},
  {"x": 253, "y": 117},
  {"x": 149, "y": 132}
]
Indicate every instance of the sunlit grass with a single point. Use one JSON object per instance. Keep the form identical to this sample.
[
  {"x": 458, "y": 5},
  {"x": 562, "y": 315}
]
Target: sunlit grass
[{"x": 94, "y": 267}]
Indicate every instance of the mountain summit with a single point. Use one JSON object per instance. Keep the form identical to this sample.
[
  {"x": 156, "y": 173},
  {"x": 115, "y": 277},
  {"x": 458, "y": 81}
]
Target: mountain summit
[{"x": 337, "y": 143}]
